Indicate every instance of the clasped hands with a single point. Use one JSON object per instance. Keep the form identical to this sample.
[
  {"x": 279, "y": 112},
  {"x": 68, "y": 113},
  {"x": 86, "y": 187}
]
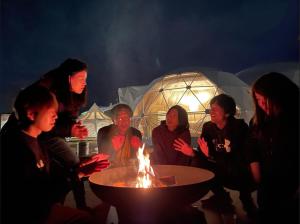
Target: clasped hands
[
  {"x": 78, "y": 130},
  {"x": 118, "y": 141}
]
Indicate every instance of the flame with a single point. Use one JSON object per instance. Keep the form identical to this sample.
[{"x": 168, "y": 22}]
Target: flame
[{"x": 145, "y": 172}]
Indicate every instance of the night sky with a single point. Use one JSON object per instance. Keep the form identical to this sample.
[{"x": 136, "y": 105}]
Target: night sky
[{"x": 132, "y": 42}]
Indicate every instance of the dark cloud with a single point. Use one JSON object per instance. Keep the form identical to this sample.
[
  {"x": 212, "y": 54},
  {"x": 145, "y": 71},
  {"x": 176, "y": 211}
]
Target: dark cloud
[{"x": 133, "y": 42}]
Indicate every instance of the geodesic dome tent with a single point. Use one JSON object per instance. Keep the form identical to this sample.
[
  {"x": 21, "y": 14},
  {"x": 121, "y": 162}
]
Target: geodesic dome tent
[
  {"x": 131, "y": 95},
  {"x": 289, "y": 69},
  {"x": 192, "y": 90},
  {"x": 94, "y": 119}
]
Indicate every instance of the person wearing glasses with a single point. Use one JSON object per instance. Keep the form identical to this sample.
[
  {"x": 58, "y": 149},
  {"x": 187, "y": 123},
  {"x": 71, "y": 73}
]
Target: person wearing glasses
[{"x": 119, "y": 140}]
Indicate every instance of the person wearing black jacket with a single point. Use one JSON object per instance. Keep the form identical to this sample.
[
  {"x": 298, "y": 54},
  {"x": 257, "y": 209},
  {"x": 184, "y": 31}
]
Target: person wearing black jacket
[
  {"x": 32, "y": 185},
  {"x": 119, "y": 140},
  {"x": 221, "y": 149}
]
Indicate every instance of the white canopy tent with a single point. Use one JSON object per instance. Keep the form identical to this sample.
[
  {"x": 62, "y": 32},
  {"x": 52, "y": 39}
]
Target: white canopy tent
[
  {"x": 94, "y": 119},
  {"x": 192, "y": 90}
]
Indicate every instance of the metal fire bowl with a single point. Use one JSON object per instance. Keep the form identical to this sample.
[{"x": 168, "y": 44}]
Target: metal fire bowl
[{"x": 191, "y": 185}]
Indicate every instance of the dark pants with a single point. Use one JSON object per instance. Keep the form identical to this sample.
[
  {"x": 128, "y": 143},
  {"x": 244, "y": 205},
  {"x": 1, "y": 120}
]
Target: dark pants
[
  {"x": 66, "y": 158},
  {"x": 240, "y": 180}
]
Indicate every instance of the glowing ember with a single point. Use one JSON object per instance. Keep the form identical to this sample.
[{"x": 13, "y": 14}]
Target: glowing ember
[{"x": 145, "y": 172}]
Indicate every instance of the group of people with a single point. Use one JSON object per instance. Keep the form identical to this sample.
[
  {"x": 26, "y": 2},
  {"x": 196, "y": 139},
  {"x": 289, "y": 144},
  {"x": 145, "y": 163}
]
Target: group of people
[
  {"x": 262, "y": 156},
  {"x": 38, "y": 167}
]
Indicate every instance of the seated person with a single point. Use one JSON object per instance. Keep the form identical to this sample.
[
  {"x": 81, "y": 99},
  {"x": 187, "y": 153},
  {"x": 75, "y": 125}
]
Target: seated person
[
  {"x": 171, "y": 139},
  {"x": 119, "y": 140},
  {"x": 222, "y": 151},
  {"x": 33, "y": 186}
]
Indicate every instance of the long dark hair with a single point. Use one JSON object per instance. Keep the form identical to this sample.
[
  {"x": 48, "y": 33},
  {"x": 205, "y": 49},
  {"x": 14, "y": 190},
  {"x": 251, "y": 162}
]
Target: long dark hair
[
  {"x": 282, "y": 97},
  {"x": 183, "y": 121},
  {"x": 58, "y": 82}
]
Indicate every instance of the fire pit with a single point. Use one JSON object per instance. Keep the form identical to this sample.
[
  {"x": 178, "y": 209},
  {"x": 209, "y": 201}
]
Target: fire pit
[{"x": 179, "y": 186}]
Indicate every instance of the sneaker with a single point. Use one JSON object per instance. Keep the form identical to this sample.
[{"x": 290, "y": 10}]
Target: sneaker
[{"x": 219, "y": 203}]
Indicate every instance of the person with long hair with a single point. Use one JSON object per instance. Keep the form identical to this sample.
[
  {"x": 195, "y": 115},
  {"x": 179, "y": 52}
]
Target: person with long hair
[
  {"x": 273, "y": 148},
  {"x": 68, "y": 83},
  {"x": 222, "y": 149},
  {"x": 172, "y": 139}
]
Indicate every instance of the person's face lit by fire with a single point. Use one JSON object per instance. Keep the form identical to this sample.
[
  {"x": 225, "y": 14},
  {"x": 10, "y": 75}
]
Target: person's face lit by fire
[
  {"x": 217, "y": 114},
  {"x": 122, "y": 121},
  {"x": 44, "y": 118},
  {"x": 78, "y": 81},
  {"x": 262, "y": 102},
  {"x": 172, "y": 119}
]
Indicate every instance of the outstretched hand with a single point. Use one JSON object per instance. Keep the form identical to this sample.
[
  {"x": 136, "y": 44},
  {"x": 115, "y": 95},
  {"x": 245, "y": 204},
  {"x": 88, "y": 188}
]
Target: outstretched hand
[
  {"x": 181, "y": 146},
  {"x": 203, "y": 146},
  {"x": 96, "y": 163}
]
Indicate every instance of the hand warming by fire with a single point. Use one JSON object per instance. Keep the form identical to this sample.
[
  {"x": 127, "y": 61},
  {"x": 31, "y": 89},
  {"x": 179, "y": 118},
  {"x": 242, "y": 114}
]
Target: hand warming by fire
[{"x": 96, "y": 163}]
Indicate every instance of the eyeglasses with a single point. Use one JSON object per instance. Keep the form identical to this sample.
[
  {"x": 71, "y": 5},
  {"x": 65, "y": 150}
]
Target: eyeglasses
[{"x": 122, "y": 119}]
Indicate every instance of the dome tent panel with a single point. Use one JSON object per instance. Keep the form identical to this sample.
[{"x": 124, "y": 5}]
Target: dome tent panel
[
  {"x": 196, "y": 121},
  {"x": 131, "y": 94},
  {"x": 196, "y": 98},
  {"x": 146, "y": 123}
]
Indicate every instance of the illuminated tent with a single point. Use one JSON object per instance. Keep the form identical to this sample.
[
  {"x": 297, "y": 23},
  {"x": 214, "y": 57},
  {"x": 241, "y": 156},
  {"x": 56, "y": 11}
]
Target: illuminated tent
[
  {"x": 191, "y": 90},
  {"x": 94, "y": 119},
  {"x": 289, "y": 69}
]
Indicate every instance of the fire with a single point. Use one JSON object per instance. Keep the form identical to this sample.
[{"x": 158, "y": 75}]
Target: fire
[{"x": 145, "y": 172}]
